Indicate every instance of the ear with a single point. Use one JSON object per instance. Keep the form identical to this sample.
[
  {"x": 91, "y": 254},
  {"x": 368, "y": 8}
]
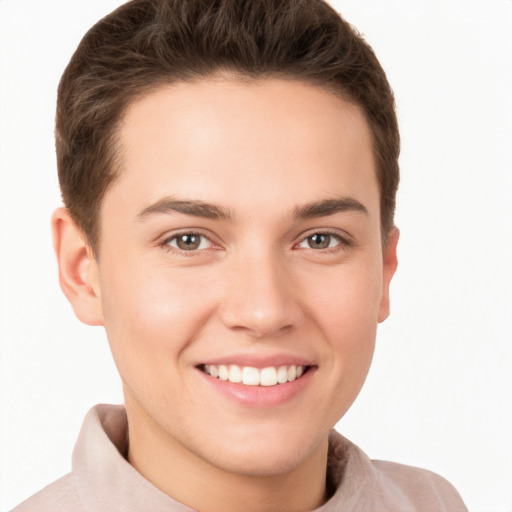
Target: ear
[
  {"x": 78, "y": 269},
  {"x": 389, "y": 264}
]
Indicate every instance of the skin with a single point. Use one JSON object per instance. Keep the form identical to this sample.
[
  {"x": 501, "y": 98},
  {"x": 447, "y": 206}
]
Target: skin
[{"x": 262, "y": 153}]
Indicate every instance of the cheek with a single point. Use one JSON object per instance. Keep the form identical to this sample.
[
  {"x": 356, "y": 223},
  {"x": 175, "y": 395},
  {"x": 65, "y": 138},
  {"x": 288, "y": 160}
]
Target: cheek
[
  {"x": 152, "y": 316},
  {"x": 346, "y": 299},
  {"x": 345, "y": 310}
]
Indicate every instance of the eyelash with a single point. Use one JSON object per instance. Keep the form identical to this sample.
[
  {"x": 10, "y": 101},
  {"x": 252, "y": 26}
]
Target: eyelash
[
  {"x": 167, "y": 242},
  {"x": 343, "y": 243}
]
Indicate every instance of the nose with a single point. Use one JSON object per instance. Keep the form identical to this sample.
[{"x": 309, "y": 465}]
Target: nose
[{"x": 260, "y": 298}]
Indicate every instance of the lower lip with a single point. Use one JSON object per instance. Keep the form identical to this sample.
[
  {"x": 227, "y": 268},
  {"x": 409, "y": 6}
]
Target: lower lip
[{"x": 259, "y": 396}]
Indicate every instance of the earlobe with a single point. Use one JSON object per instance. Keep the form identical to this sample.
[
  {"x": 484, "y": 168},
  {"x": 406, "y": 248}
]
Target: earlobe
[
  {"x": 78, "y": 269},
  {"x": 389, "y": 265}
]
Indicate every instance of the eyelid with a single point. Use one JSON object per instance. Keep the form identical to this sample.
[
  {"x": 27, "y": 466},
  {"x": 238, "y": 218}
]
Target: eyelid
[
  {"x": 165, "y": 241},
  {"x": 345, "y": 240}
]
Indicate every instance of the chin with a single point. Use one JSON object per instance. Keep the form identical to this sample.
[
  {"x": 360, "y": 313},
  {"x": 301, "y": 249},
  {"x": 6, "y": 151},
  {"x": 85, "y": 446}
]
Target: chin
[
  {"x": 262, "y": 464},
  {"x": 266, "y": 454}
]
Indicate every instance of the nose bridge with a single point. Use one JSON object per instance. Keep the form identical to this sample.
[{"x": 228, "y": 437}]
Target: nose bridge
[{"x": 260, "y": 297}]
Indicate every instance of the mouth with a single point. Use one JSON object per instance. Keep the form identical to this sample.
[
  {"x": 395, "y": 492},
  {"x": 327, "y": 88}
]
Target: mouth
[{"x": 251, "y": 376}]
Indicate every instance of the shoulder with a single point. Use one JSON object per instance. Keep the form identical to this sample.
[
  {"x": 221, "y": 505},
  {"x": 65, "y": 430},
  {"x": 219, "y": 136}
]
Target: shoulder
[
  {"x": 364, "y": 484},
  {"x": 426, "y": 489},
  {"x": 60, "y": 496}
]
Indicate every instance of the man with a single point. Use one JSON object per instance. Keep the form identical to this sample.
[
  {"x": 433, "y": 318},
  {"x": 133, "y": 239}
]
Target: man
[{"x": 229, "y": 172}]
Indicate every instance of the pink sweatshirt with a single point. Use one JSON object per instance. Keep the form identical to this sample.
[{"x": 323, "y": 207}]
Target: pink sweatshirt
[{"x": 103, "y": 481}]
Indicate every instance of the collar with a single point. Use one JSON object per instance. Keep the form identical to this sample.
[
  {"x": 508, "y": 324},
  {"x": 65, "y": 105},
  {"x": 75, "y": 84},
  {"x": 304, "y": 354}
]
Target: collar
[{"x": 105, "y": 480}]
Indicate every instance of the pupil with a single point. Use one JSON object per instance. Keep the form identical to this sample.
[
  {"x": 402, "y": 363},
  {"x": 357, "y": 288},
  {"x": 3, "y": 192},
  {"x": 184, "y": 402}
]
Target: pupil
[
  {"x": 319, "y": 241},
  {"x": 188, "y": 242}
]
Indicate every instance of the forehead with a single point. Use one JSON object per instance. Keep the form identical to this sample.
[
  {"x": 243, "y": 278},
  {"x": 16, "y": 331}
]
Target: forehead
[{"x": 234, "y": 138}]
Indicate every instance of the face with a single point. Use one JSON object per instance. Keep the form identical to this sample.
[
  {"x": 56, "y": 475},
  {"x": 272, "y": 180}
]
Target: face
[{"x": 242, "y": 242}]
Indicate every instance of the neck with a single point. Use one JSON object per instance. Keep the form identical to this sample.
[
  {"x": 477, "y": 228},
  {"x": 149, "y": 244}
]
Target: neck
[{"x": 195, "y": 482}]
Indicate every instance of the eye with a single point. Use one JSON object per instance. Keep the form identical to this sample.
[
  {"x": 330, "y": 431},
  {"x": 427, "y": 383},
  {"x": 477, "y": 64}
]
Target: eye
[
  {"x": 189, "y": 242},
  {"x": 321, "y": 241}
]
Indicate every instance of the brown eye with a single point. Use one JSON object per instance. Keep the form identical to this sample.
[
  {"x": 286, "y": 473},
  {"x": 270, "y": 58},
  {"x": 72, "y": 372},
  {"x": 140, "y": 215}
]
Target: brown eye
[
  {"x": 189, "y": 242},
  {"x": 320, "y": 241}
]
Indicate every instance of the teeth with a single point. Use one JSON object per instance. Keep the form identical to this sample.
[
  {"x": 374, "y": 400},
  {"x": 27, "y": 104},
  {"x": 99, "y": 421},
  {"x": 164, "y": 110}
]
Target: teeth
[
  {"x": 250, "y": 376},
  {"x": 282, "y": 374},
  {"x": 268, "y": 377},
  {"x": 235, "y": 374},
  {"x": 223, "y": 372}
]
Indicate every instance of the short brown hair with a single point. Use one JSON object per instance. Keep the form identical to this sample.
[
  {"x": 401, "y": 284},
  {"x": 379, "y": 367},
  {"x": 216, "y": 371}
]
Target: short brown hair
[{"x": 147, "y": 43}]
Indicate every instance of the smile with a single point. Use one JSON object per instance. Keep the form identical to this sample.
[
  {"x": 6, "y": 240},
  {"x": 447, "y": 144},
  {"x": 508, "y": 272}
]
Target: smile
[{"x": 250, "y": 376}]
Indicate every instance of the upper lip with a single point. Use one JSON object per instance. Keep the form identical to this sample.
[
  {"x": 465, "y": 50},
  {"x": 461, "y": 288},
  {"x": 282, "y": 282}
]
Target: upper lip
[{"x": 259, "y": 361}]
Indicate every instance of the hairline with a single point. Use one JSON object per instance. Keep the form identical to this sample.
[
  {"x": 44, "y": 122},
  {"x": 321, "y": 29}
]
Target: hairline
[{"x": 222, "y": 75}]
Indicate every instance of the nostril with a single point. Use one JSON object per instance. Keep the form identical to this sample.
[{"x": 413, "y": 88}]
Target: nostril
[{"x": 261, "y": 299}]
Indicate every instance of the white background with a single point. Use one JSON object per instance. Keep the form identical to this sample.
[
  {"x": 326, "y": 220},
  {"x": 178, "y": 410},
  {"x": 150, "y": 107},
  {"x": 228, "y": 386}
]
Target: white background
[{"x": 440, "y": 392}]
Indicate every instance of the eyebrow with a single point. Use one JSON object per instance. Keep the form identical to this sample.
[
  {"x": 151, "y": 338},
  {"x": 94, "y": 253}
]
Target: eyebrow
[
  {"x": 190, "y": 207},
  {"x": 315, "y": 209},
  {"x": 329, "y": 207}
]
